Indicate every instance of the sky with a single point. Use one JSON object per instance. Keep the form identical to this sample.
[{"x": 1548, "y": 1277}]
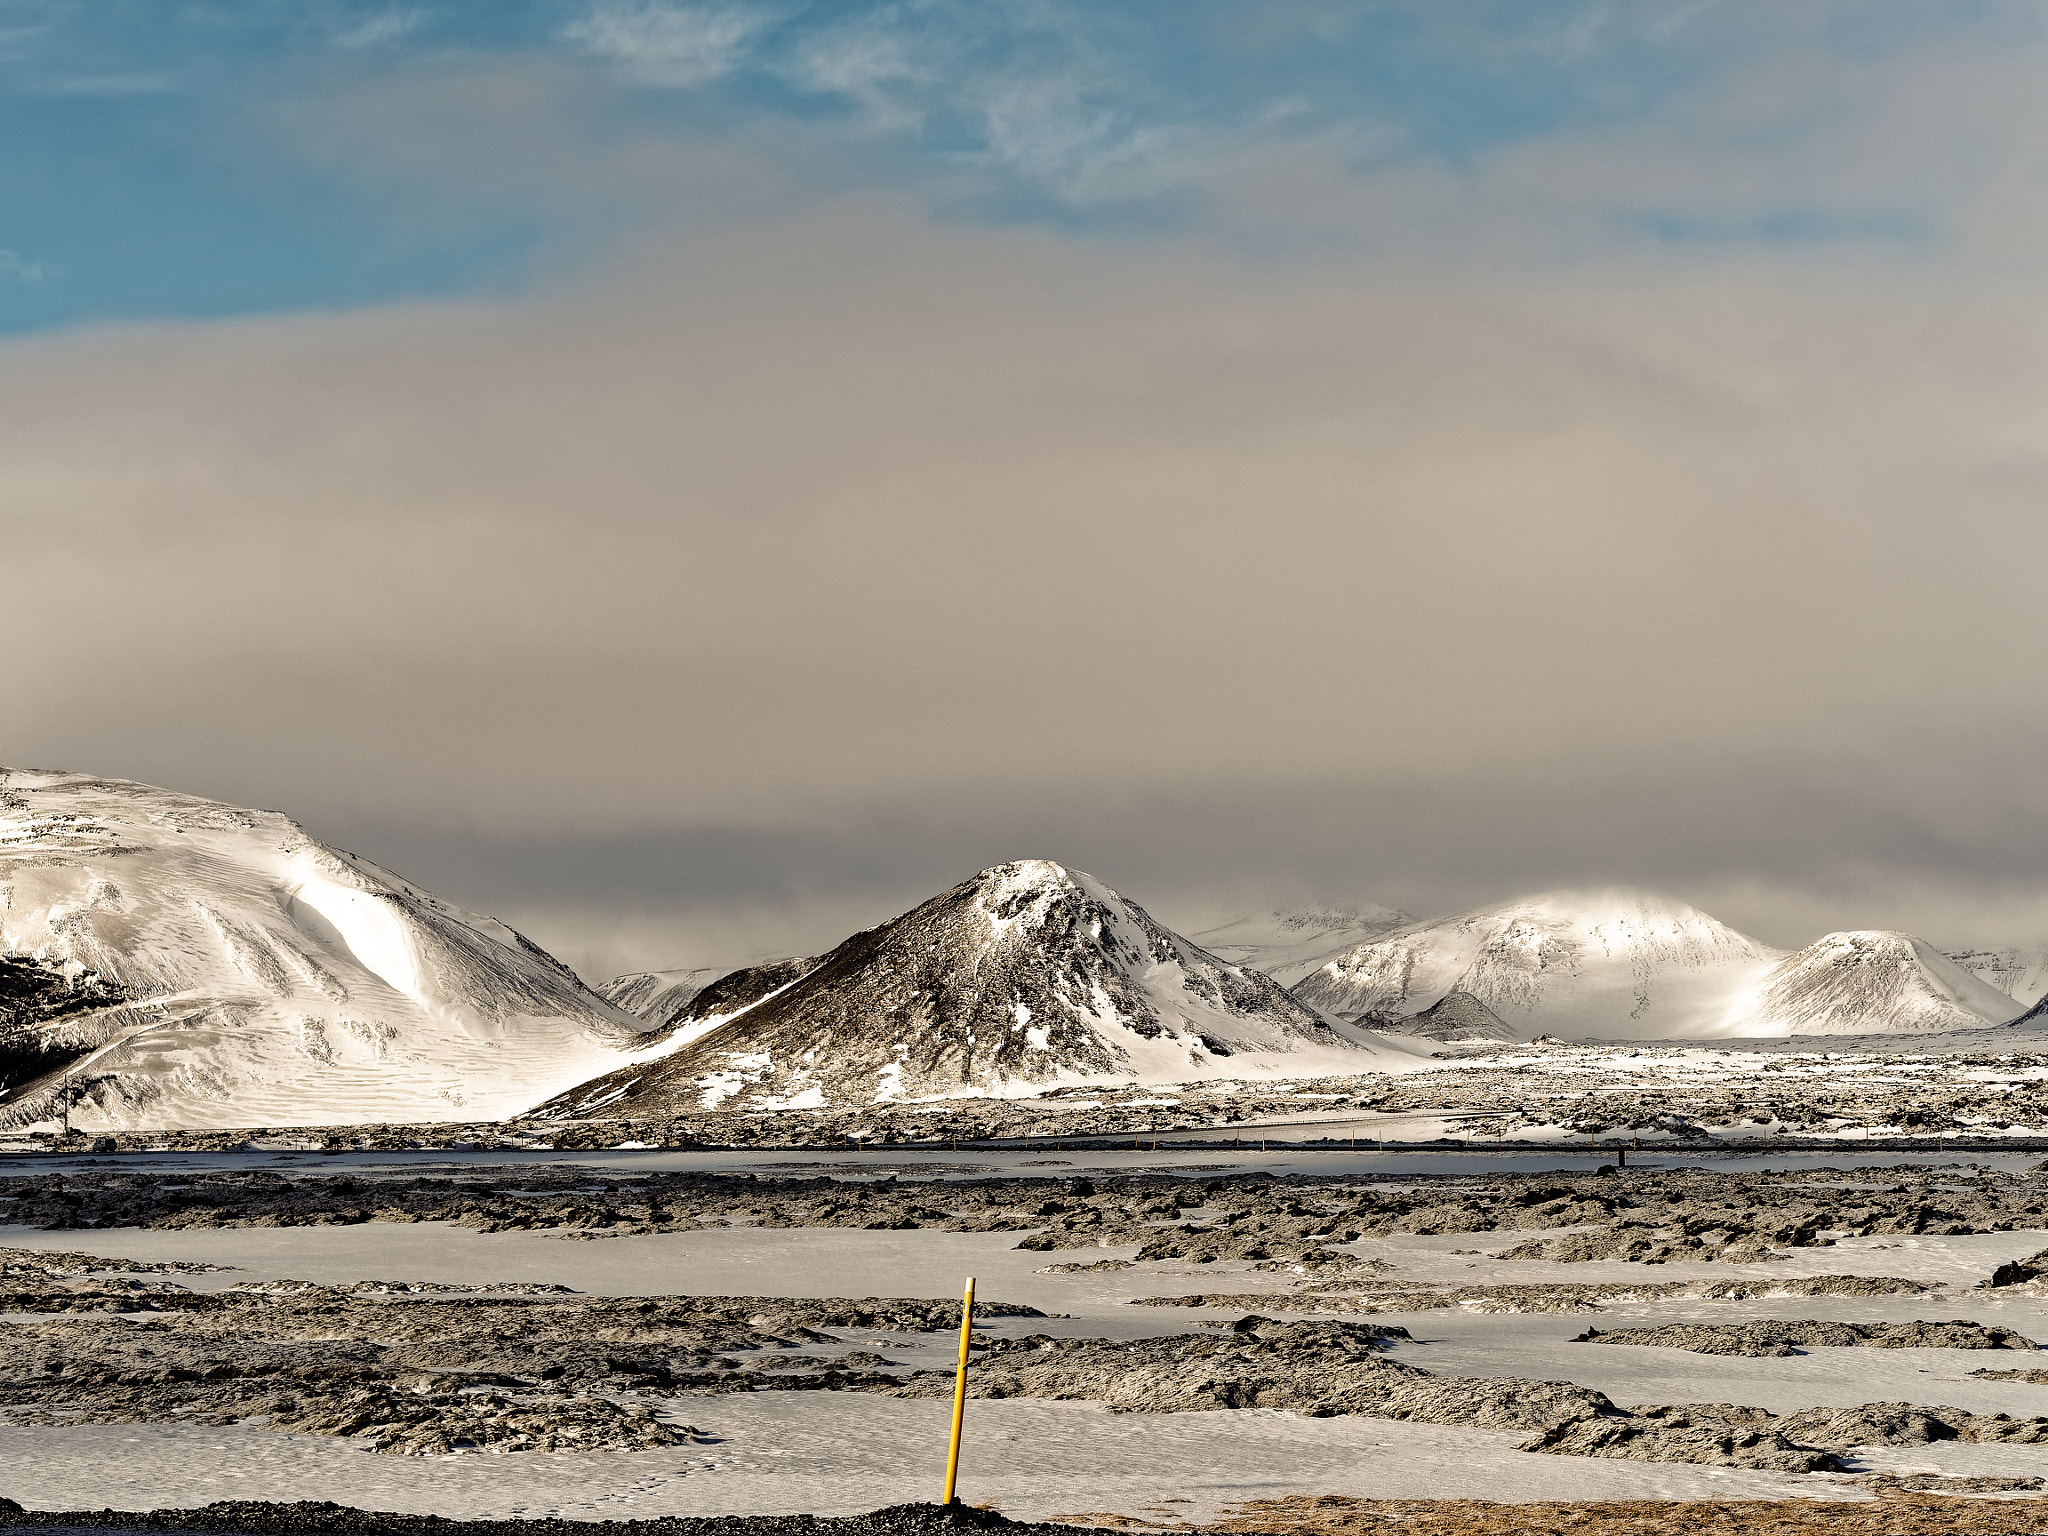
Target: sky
[{"x": 694, "y": 480}]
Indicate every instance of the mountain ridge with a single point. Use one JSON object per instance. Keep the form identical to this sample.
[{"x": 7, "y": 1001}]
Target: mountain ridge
[
  {"x": 1874, "y": 982},
  {"x": 1023, "y": 976}
]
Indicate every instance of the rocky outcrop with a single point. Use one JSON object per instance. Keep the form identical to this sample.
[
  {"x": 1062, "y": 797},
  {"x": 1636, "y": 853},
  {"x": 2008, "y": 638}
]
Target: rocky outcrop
[
  {"x": 1795, "y": 1338},
  {"x": 436, "y": 1373}
]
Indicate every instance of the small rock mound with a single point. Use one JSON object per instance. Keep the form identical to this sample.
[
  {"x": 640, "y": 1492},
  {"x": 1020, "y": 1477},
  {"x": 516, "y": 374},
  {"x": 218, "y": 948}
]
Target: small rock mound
[{"x": 1792, "y": 1338}]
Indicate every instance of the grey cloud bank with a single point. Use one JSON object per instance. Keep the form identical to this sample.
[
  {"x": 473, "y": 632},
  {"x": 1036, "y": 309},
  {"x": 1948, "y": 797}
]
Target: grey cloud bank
[{"x": 787, "y": 575}]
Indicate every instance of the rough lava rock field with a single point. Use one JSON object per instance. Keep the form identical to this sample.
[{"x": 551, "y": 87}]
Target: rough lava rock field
[{"x": 1212, "y": 1331}]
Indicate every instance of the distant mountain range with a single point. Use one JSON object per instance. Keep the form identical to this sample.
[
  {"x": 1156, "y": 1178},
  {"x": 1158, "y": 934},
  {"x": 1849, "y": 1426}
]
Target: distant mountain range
[
  {"x": 1025, "y": 975},
  {"x": 1591, "y": 964},
  {"x": 172, "y": 961},
  {"x": 1626, "y": 965},
  {"x": 1290, "y": 943},
  {"x": 1874, "y": 983},
  {"x": 2021, "y": 973}
]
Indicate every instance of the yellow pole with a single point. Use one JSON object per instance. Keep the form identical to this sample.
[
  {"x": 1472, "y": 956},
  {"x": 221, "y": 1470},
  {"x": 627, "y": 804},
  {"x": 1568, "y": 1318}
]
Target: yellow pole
[{"x": 959, "y": 1390}]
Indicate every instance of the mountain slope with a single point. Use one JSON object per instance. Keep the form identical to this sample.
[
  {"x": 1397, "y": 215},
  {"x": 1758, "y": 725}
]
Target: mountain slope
[
  {"x": 2020, "y": 972},
  {"x": 1288, "y": 944},
  {"x": 1025, "y": 975},
  {"x": 1454, "y": 1016},
  {"x": 219, "y": 967},
  {"x": 1614, "y": 965},
  {"x": 1873, "y": 983},
  {"x": 657, "y": 998}
]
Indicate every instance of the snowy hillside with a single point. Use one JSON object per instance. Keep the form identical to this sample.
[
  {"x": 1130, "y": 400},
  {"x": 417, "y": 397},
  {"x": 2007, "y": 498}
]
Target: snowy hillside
[
  {"x": 679, "y": 1022},
  {"x": 1288, "y": 944},
  {"x": 2021, "y": 973},
  {"x": 193, "y": 964},
  {"x": 1872, "y": 983},
  {"x": 1615, "y": 965},
  {"x": 1456, "y": 1016},
  {"x": 657, "y": 998},
  {"x": 1026, "y": 975}
]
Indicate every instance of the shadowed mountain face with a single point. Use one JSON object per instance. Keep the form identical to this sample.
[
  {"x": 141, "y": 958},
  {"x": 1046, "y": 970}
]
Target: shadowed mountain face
[
  {"x": 50, "y": 1018},
  {"x": 196, "y": 964},
  {"x": 737, "y": 991},
  {"x": 1454, "y": 1016},
  {"x": 682, "y": 1005},
  {"x": 1025, "y": 975}
]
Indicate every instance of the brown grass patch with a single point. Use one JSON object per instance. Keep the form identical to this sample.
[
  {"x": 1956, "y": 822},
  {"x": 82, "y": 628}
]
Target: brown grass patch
[{"x": 1895, "y": 1514}]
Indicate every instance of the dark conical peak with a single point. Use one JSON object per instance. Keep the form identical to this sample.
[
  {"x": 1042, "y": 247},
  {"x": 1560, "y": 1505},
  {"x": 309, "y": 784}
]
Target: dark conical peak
[{"x": 1024, "y": 974}]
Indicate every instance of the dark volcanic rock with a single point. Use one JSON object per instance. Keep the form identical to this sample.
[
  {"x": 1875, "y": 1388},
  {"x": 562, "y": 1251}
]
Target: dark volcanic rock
[
  {"x": 51, "y": 1017},
  {"x": 745, "y": 987},
  {"x": 1711, "y": 1435},
  {"x": 1454, "y": 1016},
  {"x": 2019, "y": 1271},
  {"x": 427, "y": 1376},
  {"x": 1026, "y": 972},
  {"x": 1792, "y": 1338}
]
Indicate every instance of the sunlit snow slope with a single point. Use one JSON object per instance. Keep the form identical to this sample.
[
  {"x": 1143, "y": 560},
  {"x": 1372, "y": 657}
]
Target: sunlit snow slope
[
  {"x": 2020, "y": 972},
  {"x": 1026, "y": 975},
  {"x": 1289, "y": 944},
  {"x": 1613, "y": 965},
  {"x": 238, "y": 973},
  {"x": 1873, "y": 983}
]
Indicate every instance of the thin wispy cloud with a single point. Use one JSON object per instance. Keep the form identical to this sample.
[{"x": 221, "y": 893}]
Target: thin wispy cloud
[
  {"x": 376, "y": 31},
  {"x": 15, "y": 42},
  {"x": 875, "y": 66},
  {"x": 15, "y": 268},
  {"x": 107, "y": 85},
  {"x": 676, "y": 46}
]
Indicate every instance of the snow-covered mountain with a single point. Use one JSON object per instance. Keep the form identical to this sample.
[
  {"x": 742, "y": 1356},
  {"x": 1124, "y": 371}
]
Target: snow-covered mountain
[
  {"x": 2020, "y": 972},
  {"x": 1028, "y": 974},
  {"x": 1290, "y": 943},
  {"x": 1614, "y": 965},
  {"x": 1874, "y": 983},
  {"x": 665, "y": 1000},
  {"x": 193, "y": 964},
  {"x": 1456, "y": 1016},
  {"x": 657, "y": 998}
]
